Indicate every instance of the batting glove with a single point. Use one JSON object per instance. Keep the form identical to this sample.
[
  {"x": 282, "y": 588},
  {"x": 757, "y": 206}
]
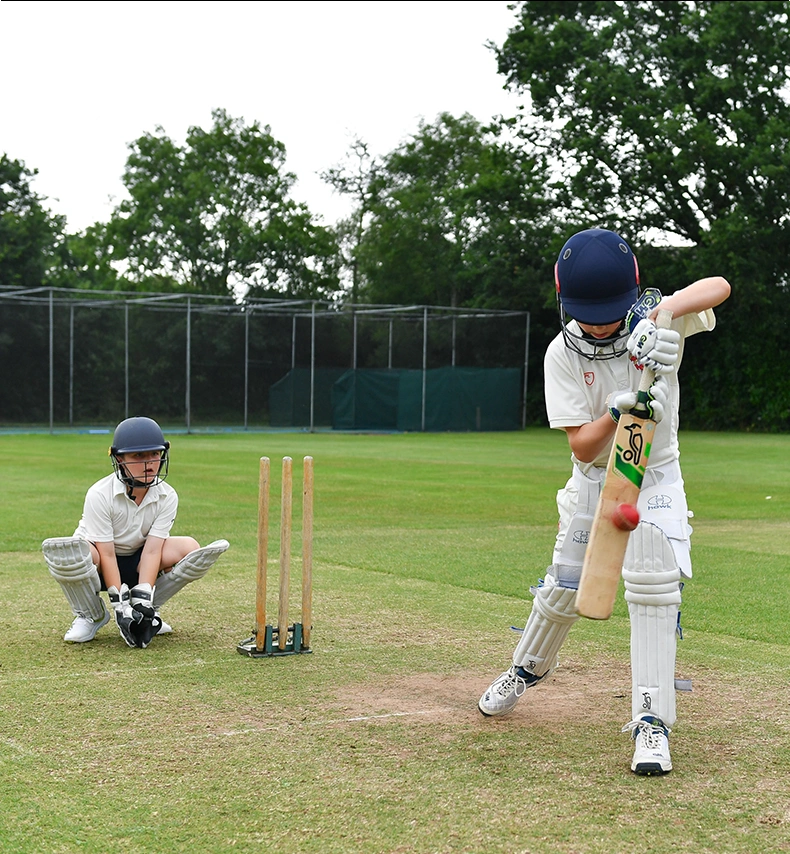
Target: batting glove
[
  {"x": 619, "y": 402},
  {"x": 654, "y": 348},
  {"x": 658, "y": 399}
]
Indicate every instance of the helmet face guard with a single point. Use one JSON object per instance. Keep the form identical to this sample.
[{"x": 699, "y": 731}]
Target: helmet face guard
[
  {"x": 594, "y": 349},
  {"x": 597, "y": 282},
  {"x": 139, "y": 435}
]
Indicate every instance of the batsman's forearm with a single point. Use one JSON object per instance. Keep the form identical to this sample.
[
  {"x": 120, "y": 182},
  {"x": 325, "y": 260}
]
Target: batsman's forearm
[
  {"x": 696, "y": 297},
  {"x": 590, "y": 441}
]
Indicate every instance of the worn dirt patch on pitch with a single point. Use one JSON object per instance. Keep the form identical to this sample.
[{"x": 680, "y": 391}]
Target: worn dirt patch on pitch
[
  {"x": 577, "y": 690},
  {"x": 568, "y": 695}
]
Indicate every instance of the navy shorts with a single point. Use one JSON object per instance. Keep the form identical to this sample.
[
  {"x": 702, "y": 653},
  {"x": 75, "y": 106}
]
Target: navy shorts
[{"x": 127, "y": 564}]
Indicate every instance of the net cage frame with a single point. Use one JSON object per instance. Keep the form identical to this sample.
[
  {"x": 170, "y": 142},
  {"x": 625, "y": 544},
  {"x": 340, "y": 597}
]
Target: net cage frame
[{"x": 191, "y": 306}]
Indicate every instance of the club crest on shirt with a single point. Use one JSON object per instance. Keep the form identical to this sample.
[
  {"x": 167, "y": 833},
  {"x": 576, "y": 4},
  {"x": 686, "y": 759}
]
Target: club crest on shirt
[{"x": 589, "y": 377}]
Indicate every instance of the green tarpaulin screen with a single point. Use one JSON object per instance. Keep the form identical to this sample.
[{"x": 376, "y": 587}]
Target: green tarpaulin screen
[
  {"x": 289, "y": 398},
  {"x": 456, "y": 399}
]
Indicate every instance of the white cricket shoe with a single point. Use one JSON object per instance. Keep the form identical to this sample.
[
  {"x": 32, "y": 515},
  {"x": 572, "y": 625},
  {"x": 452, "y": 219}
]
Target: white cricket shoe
[
  {"x": 84, "y": 629},
  {"x": 651, "y": 746},
  {"x": 165, "y": 628},
  {"x": 504, "y": 692}
]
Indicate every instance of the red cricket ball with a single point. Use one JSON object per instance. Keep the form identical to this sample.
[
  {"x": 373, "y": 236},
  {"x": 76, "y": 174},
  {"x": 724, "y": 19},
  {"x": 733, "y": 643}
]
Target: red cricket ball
[{"x": 625, "y": 517}]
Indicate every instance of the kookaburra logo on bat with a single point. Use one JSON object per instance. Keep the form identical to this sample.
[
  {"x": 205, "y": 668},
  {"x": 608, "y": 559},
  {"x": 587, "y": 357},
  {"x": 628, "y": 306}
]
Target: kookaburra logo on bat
[{"x": 636, "y": 442}]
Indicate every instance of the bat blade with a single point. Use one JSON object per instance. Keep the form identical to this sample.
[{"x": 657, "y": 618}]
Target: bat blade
[{"x": 603, "y": 559}]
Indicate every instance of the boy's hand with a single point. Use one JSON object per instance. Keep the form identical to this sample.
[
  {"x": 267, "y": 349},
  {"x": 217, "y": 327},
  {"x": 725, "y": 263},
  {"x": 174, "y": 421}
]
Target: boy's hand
[
  {"x": 125, "y": 617},
  {"x": 144, "y": 631},
  {"x": 657, "y": 399},
  {"x": 622, "y": 402},
  {"x": 654, "y": 348}
]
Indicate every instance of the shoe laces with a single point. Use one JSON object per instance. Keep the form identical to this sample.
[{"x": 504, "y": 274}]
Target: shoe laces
[
  {"x": 512, "y": 683},
  {"x": 651, "y": 730}
]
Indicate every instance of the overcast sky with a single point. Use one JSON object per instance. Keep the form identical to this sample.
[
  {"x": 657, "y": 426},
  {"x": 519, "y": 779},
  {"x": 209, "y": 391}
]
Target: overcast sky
[{"x": 81, "y": 80}]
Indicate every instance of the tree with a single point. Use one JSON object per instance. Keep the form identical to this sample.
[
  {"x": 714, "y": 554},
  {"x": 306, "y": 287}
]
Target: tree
[
  {"x": 216, "y": 216},
  {"x": 457, "y": 216},
  {"x": 354, "y": 178},
  {"x": 673, "y": 118},
  {"x": 665, "y": 115},
  {"x": 85, "y": 261},
  {"x": 30, "y": 235}
]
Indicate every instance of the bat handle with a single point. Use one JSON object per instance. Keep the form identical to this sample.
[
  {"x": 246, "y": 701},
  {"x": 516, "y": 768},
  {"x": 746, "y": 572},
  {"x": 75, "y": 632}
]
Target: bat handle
[{"x": 663, "y": 320}]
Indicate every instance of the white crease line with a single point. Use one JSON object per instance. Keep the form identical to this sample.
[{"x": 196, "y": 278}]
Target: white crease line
[
  {"x": 389, "y": 715},
  {"x": 358, "y": 719},
  {"x": 21, "y": 750}
]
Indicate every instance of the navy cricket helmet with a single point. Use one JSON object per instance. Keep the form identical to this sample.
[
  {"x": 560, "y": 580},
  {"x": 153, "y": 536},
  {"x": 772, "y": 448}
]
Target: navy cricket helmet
[
  {"x": 597, "y": 281},
  {"x": 139, "y": 434}
]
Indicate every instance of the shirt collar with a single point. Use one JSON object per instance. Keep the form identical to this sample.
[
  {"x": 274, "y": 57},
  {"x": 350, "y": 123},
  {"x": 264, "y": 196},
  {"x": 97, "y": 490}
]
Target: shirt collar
[{"x": 120, "y": 488}]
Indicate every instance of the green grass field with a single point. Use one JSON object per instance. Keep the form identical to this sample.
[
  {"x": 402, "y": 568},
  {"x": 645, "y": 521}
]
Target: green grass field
[{"x": 425, "y": 547}]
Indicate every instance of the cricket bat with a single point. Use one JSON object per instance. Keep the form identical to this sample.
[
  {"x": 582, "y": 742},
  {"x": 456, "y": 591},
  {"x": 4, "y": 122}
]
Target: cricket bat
[{"x": 616, "y": 516}]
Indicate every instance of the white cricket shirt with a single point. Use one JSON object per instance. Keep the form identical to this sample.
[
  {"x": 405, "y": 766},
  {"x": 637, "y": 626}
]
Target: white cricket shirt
[
  {"x": 110, "y": 516},
  {"x": 576, "y": 388}
]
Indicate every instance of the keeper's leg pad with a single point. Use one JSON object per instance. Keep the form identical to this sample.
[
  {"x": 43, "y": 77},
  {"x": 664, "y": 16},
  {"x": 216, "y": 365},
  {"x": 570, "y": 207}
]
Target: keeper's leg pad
[
  {"x": 652, "y": 591},
  {"x": 70, "y": 563},
  {"x": 190, "y": 568},
  {"x": 549, "y": 622}
]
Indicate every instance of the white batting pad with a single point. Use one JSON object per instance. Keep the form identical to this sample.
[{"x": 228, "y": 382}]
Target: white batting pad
[
  {"x": 548, "y": 625},
  {"x": 652, "y": 591},
  {"x": 70, "y": 564},
  {"x": 190, "y": 568}
]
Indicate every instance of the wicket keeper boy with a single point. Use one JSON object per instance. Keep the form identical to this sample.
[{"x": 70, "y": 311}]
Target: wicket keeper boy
[{"x": 123, "y": 543}]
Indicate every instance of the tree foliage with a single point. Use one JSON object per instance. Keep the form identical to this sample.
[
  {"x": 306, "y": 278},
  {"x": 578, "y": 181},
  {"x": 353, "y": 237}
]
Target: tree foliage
[
  {"x": 31, "y": 237},
  {"x": 673, "y": 118},
  {"x": 669, "y": 115},
  {"x": 354, "y": 177},
  {"x": 86, "y": 261},
  {"x": 215, "y": 215},
  {"x": 455, "y": 215}
]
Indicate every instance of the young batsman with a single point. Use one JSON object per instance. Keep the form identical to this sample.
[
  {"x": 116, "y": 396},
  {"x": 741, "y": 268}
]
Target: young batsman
[
  {"x": 591, "y": 371},
  {"x": 123, "y": 543}
]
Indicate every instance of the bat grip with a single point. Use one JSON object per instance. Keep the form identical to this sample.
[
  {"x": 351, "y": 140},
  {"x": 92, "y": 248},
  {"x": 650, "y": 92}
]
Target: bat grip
[{"x": 663, "y": 319}]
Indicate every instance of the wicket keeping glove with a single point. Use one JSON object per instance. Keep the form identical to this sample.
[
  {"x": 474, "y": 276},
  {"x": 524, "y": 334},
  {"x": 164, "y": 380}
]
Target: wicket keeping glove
[
  {"x": 654, "y": 348},
  {"x": 144, "y": 631},
  {"x": 125, "y": 617},
  {"x": 142, "y": 600}
]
